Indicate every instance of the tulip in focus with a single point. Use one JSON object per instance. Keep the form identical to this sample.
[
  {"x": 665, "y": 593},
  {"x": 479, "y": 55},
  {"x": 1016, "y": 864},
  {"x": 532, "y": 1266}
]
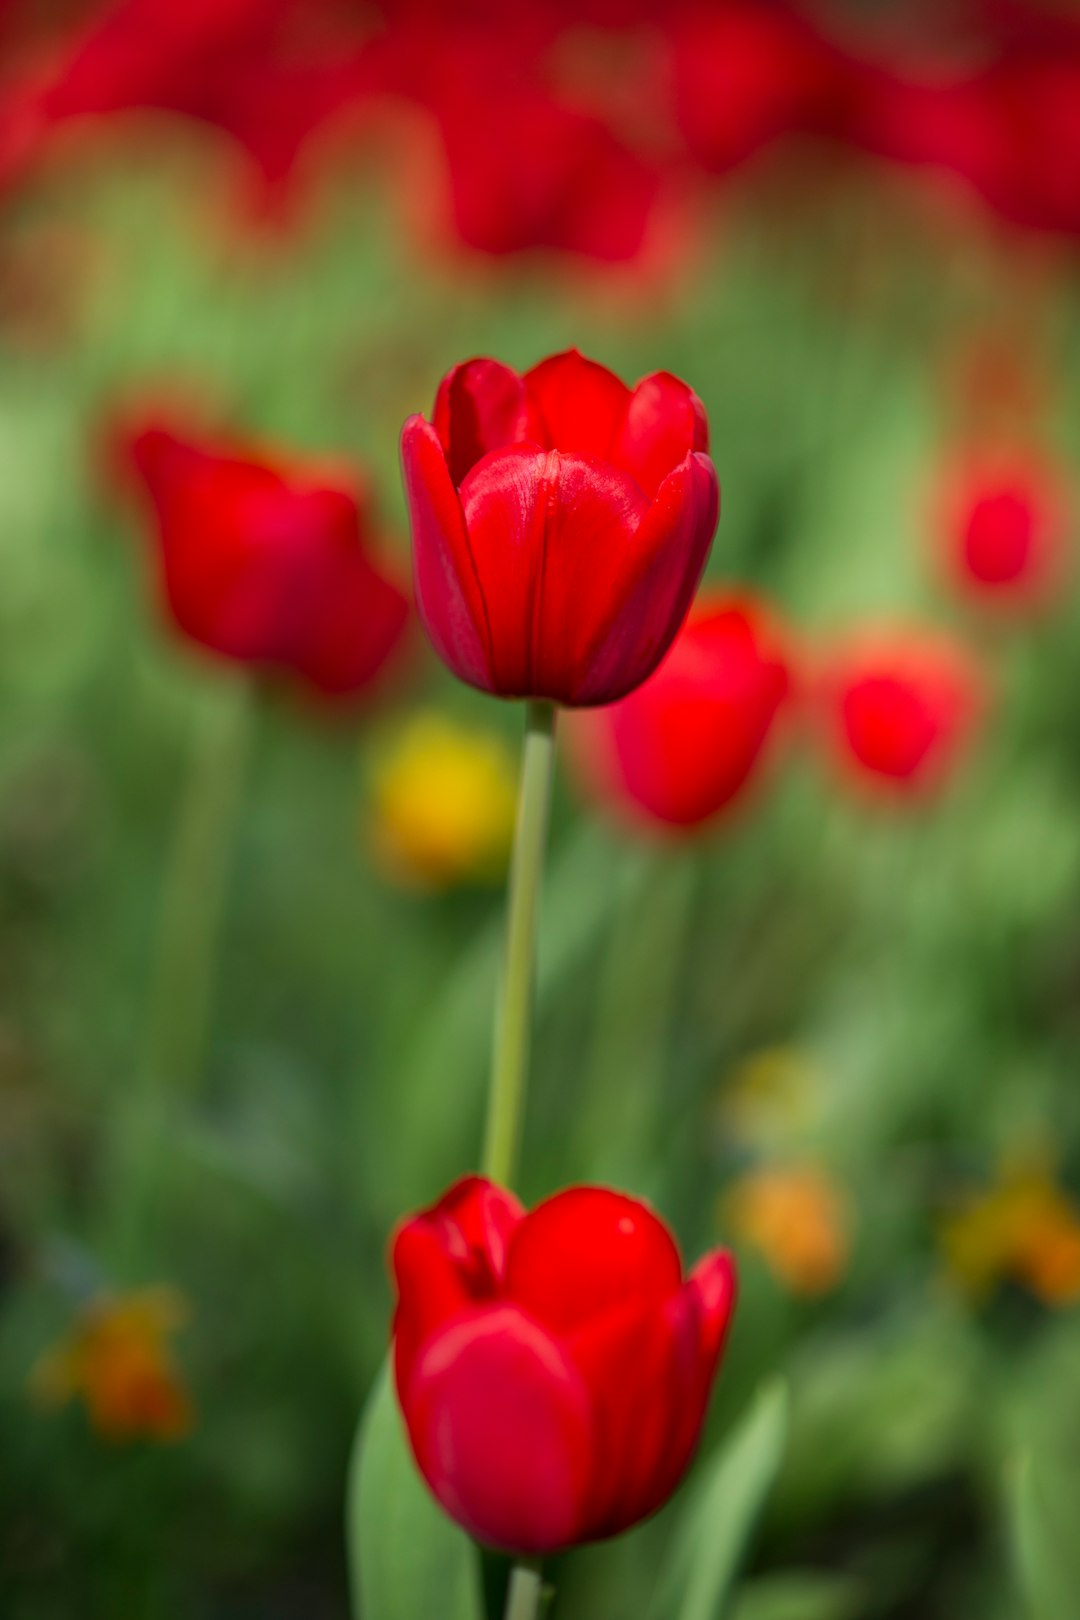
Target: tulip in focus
[
  {"x": 797, "y": 1219},
  {"x": 901, "y": 706},
  {"x": 561, "y": 522},
  {"x": 1025, "y": 1230},
  {"x": 443, "y": 802},
  {"x": 681, "y": 749},
  {"x": 553, "y": 1367},
  {"x": 267, "y": 562},
  {"x": 1003, "y": 522},
  {"x": 118, "y": 1361}
]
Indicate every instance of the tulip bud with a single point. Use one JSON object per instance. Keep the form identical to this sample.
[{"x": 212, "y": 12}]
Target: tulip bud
[
  {"x": 265, "y": 563},
  {"x": 561, "y": 523},
  {"x": 899, "y": 707},
  {"x": 681, "y": 749}
]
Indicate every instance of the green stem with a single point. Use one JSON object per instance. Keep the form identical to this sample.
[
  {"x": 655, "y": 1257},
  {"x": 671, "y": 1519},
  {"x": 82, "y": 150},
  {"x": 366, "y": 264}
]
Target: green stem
[
  {"x": 523, "y": 1594},
  {"x": 513, "y": 1014},
  {"x": 182, "y": 970}
]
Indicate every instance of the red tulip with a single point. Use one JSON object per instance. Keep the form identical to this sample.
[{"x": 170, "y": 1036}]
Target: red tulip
[
  {"x": 1003, "y": 522},
  {"x": 901, "y": 706},
  {"x": 265, "y": 563},
  {"x": 561, "y": 524},
  {"x": 529, "y": 171},
  {"x": 683, "y": 746},
  {"x": 268, "y": 73},
  {"x": 553, "y": 1368},
  {"x": 750, "y": 72}
]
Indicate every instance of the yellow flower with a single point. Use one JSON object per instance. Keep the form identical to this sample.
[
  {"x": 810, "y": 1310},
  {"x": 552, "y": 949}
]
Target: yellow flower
[
  {"x": 116, "y": 1359},
  {"x": 443, "y": 800},
  {"x": 1024, "y": 1230},
  {"x": 796, "y": 1217},
  {"x": 771, "y": 1097}
]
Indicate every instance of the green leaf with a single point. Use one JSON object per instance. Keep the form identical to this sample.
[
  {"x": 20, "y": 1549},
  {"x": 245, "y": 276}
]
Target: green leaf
[
  {"x": 406, "y": 1558},
  {"x": 1046, "y": 1548},
  {"x": 720, "y": 1516},
  {"x": 805, "y": 1595}
]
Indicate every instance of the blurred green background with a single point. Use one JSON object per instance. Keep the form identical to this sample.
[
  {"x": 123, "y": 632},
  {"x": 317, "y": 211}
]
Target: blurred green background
[{"x": 889, "y": 995}]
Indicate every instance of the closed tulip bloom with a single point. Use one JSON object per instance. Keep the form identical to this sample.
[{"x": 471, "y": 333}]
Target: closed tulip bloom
[
  {"x": 901, "y": 707},
  {"x": 1003, "y": 523},
  {"x": 266, "y": 564},
  {"x": 553, "y": 1368},
  {"x": 682, "y": 747},
  {"x": 561, "y": 522}
]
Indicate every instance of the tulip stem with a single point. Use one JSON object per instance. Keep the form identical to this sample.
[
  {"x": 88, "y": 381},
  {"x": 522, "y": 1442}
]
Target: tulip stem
[
  {"x": 513, "y": 1012},
  {"x": 183, "y": 965},
  {"x": 523, "y": 1594}
]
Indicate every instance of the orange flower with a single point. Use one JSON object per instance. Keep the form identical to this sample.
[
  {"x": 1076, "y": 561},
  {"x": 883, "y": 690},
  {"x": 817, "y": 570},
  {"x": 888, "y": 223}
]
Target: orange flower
[
  {"x": 116, "y": 1359},
  {"x": 1025, "y": 1229},
  {"x": 796, "y": 1217}
]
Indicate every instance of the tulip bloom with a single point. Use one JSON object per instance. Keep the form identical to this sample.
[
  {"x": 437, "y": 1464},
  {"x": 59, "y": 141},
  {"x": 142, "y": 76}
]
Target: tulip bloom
[
  {"x": 553, "y": 1368},
  {"x": 901, "y": 708},
  {"x": 561, "y": 523},
  {"x": 1003, "y": 523},
  {"x": 266, "y": 565},
  {"x": 683, "y": 746}
]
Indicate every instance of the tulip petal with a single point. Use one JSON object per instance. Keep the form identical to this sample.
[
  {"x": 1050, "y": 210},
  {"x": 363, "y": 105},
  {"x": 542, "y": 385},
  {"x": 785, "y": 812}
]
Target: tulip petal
[
  {"x": 501, "y": 1426},
  {"x": 579, "y": 404},
  {"x": 447, "y": 1258},
  {"x": 476, "y": 1220},
  {"x": 548, "y": 533},
  {"x": 651, "y": 593},
  {"x": 448, "y": 592},
  {"x": 481, "y": 405},
  {"x": 584, "y": 1251},
  {"x": 629, "y": 1361},
  {"x": 664, "y": 421},
  {"x": 355, "y": 630},
  {"x": 700, "y": 1316}
]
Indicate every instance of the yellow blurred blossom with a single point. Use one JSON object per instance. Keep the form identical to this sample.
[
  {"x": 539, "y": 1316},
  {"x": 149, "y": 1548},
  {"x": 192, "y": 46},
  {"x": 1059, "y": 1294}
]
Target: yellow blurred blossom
[
  {"x": 772, "y": 1096},
  {"x": 443, "y": 800},
  {"x": 1025, "y": 1230},
  {"x": 116, "y": 1358},
  {"x": 797, "y": 1218}
]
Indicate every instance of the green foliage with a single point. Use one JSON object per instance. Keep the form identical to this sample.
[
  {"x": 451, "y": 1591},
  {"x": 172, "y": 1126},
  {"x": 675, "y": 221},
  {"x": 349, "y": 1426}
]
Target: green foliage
[
  {"x": 406, "y": 1558},
  {"x": 1043, "y": 1497},
  {"x": 718, "y": 1520}
]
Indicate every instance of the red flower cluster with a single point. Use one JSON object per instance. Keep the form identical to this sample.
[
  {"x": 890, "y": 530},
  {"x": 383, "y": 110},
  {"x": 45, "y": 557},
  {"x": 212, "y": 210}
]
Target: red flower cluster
[
  {"x": 553, "y": 1367},
  {"x": 561, "y": 522},
  {"x": 267, "y": 563},
  {"x": 540, "y": 147}
]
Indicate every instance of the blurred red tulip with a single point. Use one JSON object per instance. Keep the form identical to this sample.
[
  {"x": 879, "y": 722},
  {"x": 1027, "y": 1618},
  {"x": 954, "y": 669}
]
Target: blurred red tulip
[
  {"x": 553, "y": 1367},
  {"x": 683, "y": 746},
  {"x": 561, "y": 523},
  {"x": 900, "y": 705},
  {"x": 526, "y": 166},
  {"x": 1003, "y": 521},
  {"x": 268, "y": 73},
  {"x": 748, "y": 72},
  {"x": 266, "y": 563},
  {"x": 528, "y": 171},
  {"x": 1009, "y": 128}
]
